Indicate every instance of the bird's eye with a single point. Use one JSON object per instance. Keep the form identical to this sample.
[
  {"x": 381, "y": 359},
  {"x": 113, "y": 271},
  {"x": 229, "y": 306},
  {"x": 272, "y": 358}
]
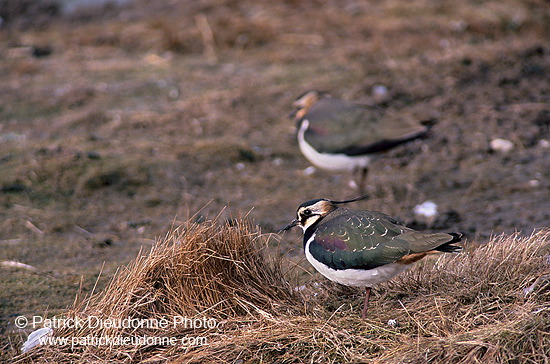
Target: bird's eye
[{"x": 308, "y": 212}]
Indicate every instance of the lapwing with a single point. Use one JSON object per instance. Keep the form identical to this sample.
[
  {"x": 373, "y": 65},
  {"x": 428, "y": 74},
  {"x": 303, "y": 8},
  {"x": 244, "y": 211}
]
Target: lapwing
[
  {"x": 362, "y": 248},
  {"x": 337, "y": 135}
]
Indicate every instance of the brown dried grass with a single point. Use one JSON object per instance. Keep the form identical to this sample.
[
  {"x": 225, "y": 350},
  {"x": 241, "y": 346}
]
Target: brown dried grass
[{"x": 489, "y": 304}]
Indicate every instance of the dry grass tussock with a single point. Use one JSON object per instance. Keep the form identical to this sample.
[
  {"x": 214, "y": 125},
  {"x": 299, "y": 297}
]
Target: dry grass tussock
[{"x": 489, "y": 304}]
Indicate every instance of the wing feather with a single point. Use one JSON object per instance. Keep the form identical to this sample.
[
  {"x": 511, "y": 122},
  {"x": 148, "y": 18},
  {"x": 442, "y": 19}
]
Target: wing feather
[
  {"x": 367, "y": 240},
  {"x": 340, "y": 127}
]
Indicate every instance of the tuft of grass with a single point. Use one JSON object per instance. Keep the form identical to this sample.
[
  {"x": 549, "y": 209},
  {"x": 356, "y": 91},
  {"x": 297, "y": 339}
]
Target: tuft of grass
[{"x": 489, "y": 304}]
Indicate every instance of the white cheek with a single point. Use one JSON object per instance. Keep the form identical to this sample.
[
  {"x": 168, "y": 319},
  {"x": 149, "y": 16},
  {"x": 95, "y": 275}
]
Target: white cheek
[{"x": 312, "y": 220}]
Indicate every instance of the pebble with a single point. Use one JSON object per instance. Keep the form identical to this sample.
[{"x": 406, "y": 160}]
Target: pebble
[
  {"x": 501, "y": 145},
  {"x": 393, "y": 323},
  {"x": 426, "y": 209},
  {"x": 534, "y": 183},
  {"x": 379, "y": 91},
  {"x": 352, "y": 184},
  {"x": 309, "y": 171}
]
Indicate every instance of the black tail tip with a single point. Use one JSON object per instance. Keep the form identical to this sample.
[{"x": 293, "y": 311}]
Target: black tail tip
[
  {"x": 448, "y": 247},
  {"x": 456, "y": 237}
]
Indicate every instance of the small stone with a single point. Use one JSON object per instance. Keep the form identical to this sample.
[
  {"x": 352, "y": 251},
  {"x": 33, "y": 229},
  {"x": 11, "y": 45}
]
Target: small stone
[
  {"x": 393, "y": 323},
  {"x": 427, "y": 209},
  {"x": 309, "y": 171},
  {"x": 379, "y": 91},
  {"x": 501, "y": 145},
  {"x": 352, "y": 184},
  {"x": 174, "y": 93},
  {"x": 534, "y": 183}
]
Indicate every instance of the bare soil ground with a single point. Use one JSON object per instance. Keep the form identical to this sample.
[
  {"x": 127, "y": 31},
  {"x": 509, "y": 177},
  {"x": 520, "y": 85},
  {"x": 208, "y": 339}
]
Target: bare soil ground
[{"x": 116, "y": 123}]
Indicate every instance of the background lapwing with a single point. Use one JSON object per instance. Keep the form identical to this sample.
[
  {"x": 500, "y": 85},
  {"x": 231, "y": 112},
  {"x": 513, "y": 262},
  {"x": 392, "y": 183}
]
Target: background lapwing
[
  {"x": 336, "y": 135},
  {"x": 361, "y": 248}
]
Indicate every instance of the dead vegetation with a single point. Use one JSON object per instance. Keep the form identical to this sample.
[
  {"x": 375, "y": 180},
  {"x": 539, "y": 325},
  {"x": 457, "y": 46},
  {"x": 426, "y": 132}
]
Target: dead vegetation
[
  {"x": 487, "y": 305},
  {"x": 115, "y": 121}
]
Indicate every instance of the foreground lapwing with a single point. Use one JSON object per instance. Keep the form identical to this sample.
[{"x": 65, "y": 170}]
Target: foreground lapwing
[
  {"x": 361, "y": 248},
  {"x": 336, "y": 135}
]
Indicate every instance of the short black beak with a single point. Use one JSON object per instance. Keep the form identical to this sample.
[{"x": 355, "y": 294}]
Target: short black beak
[{"x": 289, "y": 226}]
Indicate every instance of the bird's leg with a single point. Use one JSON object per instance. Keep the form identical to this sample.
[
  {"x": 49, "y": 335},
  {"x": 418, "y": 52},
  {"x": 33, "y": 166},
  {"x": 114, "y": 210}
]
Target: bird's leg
[
  {"x": 362, "y": 180},
  {"x": 366, "y": 304}
]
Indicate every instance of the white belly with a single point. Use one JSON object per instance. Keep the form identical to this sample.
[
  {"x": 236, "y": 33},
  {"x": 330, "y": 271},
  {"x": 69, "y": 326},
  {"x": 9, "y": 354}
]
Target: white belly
[
  {"x": 331, "y": 162},
  {"x": 356, "y": 277}
]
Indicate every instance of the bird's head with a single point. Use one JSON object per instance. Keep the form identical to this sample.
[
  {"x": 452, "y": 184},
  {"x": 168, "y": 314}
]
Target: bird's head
[
  {"x": 304, "y": 102},
  {"x": 311, "y": 212}
]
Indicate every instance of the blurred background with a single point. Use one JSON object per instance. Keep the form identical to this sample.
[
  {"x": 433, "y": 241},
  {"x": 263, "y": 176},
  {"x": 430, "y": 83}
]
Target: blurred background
[{"x": 120, "y": 119}]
